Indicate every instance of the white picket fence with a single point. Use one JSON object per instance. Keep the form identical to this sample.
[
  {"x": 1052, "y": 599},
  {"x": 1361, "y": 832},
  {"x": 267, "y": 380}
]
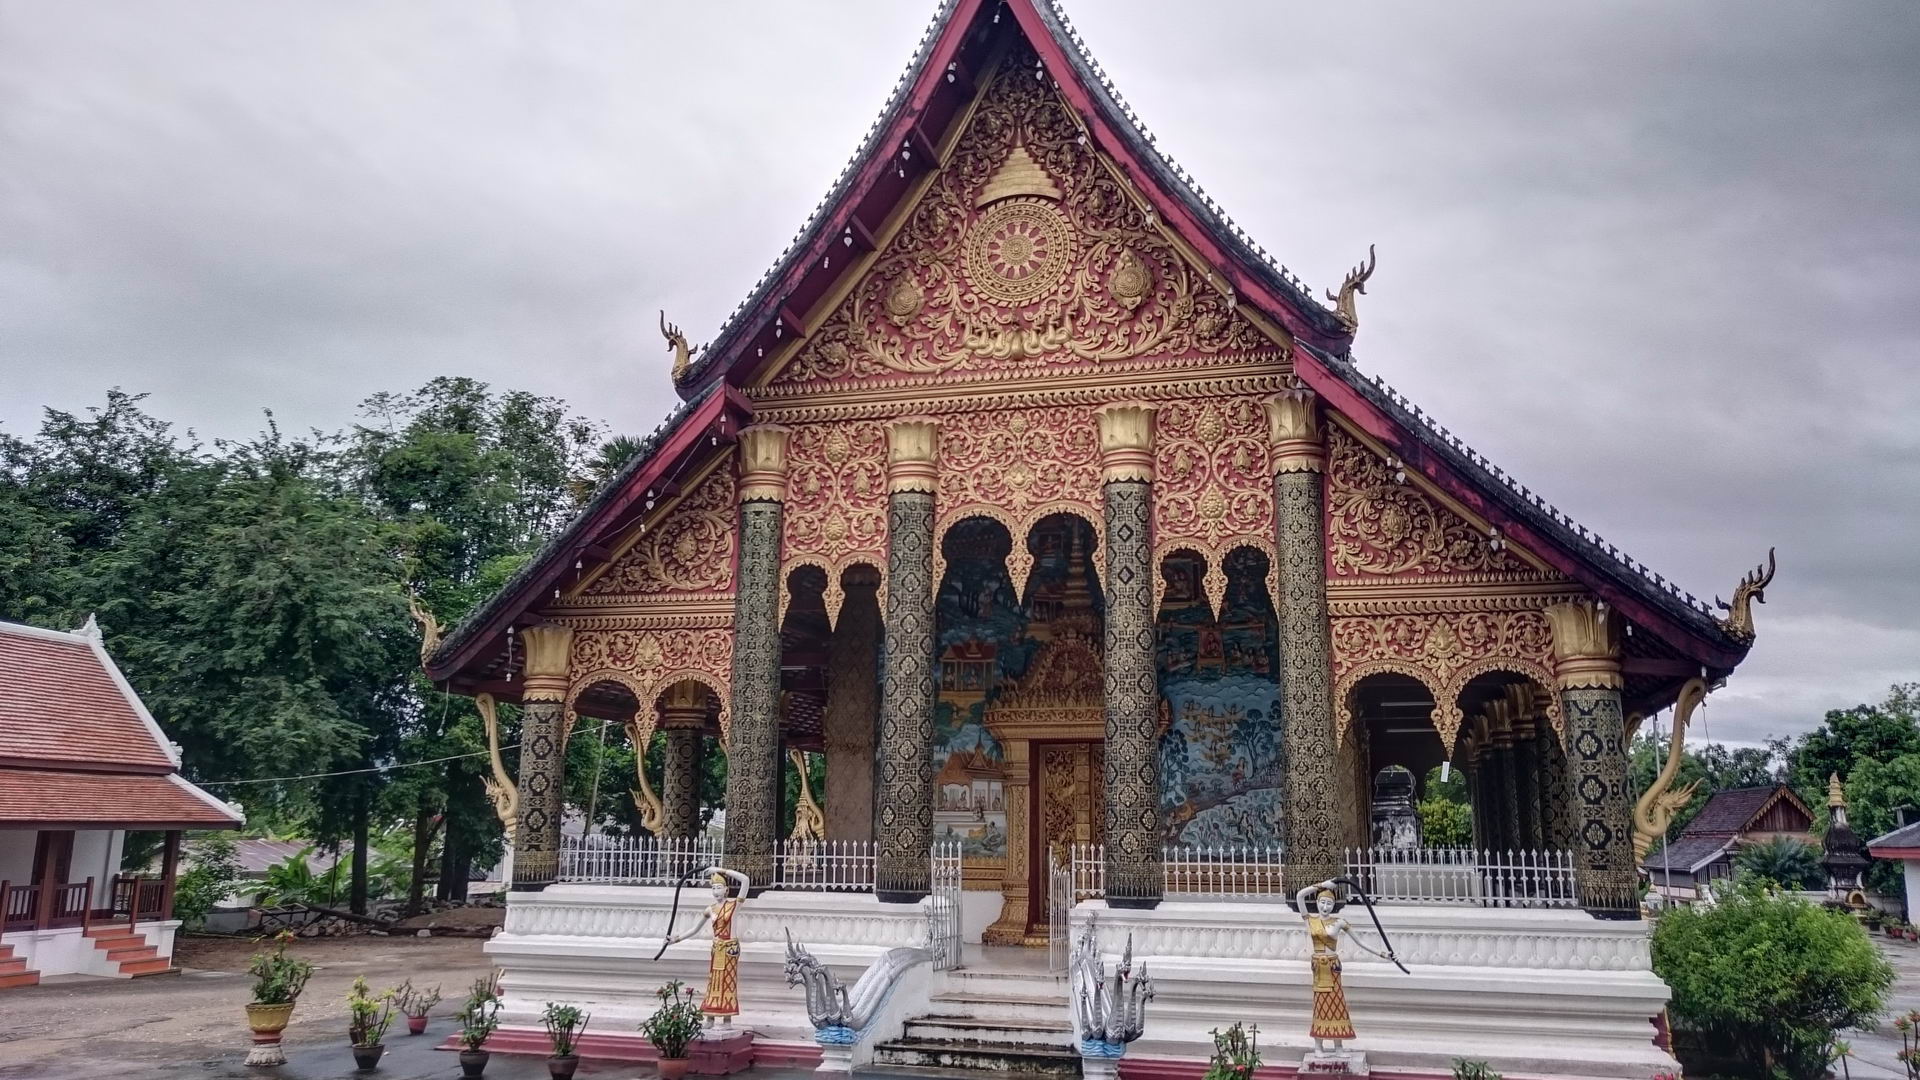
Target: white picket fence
[
  {"x": 825, "y": 865},
  {"x": 635, "y": 860},
  {"x": 802, "y": 866},
  {"x": 946, "y": 879},
  {"x": 1446, "y": 876},
  {"x": 1199, "y": 872},
  {"x": 1465, "y": 876}
]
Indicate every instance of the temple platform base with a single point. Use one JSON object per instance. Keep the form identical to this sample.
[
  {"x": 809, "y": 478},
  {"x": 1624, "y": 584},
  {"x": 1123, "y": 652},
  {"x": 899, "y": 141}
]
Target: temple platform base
[{"x": 1535, "y": 993}]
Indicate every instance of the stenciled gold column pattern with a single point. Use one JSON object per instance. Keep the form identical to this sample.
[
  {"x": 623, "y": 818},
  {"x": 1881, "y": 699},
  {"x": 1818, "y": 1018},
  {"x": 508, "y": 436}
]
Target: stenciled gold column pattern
[
  {"x": 1135, "y": 876},
  {"x": 683, "y": 711},
  {"x": 536, "y": 834},
  {"x": 1556, "y": 799},
  {"x": 1315, "y": 827},
  {"x": 1587, "y": 668},
  {"x": 753, "y": 744},
  {"x": 904, "y": 805}
]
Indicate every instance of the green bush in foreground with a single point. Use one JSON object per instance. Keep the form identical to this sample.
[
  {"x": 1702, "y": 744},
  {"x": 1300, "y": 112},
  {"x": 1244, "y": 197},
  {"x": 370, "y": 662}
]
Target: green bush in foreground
[{"x": 1767, "y": 978}]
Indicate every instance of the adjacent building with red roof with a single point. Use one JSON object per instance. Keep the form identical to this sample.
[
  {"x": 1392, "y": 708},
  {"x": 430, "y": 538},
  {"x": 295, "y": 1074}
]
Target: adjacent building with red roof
[
  {"x": 1705, "y": 850},
  {"x": 82, "y": 763}
]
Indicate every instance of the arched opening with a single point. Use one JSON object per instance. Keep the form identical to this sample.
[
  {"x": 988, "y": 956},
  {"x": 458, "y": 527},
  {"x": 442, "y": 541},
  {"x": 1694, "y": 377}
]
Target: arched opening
[
  {"x": 1222, "y": 755},
  {"x": 1393, "y": 729}
]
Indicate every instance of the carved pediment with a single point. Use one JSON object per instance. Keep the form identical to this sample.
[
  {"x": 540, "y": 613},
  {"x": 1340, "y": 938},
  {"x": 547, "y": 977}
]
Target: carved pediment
[
  {"x": 1026, "y": 253},
  {"x": 688, "y": 550},
  {"x": 1378, "y": 526}
]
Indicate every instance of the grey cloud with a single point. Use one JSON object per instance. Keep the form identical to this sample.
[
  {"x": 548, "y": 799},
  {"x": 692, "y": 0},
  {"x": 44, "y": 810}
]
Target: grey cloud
[{"x": 1656, "y": 259}]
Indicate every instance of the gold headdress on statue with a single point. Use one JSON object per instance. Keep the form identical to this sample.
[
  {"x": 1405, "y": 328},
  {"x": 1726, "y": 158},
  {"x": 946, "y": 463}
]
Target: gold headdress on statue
[{"x": 718, "y": 878}]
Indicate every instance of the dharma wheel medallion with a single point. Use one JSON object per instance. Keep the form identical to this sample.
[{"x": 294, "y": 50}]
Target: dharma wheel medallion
[{"x": 1019, "y": 250}]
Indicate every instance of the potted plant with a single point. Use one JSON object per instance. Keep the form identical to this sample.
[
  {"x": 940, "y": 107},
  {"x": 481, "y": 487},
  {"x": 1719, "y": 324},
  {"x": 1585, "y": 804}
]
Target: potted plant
[
  {"x": 564, "y": 1025},
  {"x": 277, "y": 982},
  {"x": 368, "y": 1017},
  {"x": 414, "y": 1004},
  {"x": 1464, "y": 1069},
  {"x": 673, "y": 1027},
  {"x": 1236, "y": 1053},
  {"x": 479, "y": 1017}
]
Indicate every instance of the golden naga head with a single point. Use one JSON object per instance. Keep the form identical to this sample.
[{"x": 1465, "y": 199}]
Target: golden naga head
[
  {"x": 1738, "y": 622},
  {"x": 677, "y": 341},
  {"x": 1354, "y": 284}
]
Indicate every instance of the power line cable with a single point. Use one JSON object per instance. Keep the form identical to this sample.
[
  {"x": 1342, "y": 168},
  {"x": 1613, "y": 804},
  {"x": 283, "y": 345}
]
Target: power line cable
[{"x": 370, "y": 769}]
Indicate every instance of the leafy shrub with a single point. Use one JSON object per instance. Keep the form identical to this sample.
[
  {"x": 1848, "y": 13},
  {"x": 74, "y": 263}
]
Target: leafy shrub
[
  {"x": 1768, "y": 979},
  {"x": 1473, "y": 1070},
  {"x": 1444, "y": 823},
  {"x": 277, "y": 977},
  {"x": 480, "y": 1016},
  {"x": 368, "y": 1014},
  {"x": 213, "y": 876},
  {"x": 675, "y": 1023},
  {"x": 1786, "y": 862},
  {"x": 1236, "y": 1053},
  {"x": 564, "y": 1024}
]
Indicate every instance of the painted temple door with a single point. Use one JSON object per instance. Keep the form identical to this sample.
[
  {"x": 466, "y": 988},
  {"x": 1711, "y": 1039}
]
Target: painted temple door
[{"x": 1067, "y": 809}]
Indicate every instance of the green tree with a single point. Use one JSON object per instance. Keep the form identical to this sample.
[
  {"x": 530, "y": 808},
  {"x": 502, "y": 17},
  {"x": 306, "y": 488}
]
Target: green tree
[
  {"x": 1446, "y": 819},
  {"x": 212, "y": 875},
  {"x": 1865, "y": 732},
  {"x": 1784, "y": 861},
  {"x": 1768, "y": 978},
  {"x": 1714, "y": 766}
]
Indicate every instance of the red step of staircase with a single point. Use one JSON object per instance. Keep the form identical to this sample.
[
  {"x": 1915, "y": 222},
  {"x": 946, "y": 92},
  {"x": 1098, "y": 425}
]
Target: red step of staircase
[
  {"x": 14, "y": 971},
  {"x": 128, "y": 949}
]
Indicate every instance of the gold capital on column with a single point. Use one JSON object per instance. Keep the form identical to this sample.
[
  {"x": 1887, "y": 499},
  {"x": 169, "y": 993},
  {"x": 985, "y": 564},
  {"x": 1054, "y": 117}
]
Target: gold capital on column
[
  {"x": 1586, "y": 647},
  {"x": 763, "y": 463},
  {"x": 1293, "y": 422},
  {"x": 549, "y": 648},
  {"x": 1126, "y": 441},
  {"x": 684, "y": 704},
  {"x": 913, "y": 451}
]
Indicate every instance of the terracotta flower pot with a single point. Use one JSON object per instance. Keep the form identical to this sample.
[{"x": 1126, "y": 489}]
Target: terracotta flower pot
[
  {"x": 416, "y": 1025},
  {"x": 473, "y": 1062},
  {"x": 267, "y": 1022},
  {"x": 561, "y": 1067},
  {"x": 674, "y": 1068},
  {"x": 367, "y": 1058}
]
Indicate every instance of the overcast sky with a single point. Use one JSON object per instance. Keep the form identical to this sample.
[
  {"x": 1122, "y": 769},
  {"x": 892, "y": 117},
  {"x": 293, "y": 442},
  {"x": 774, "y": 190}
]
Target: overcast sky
[{"x": 1658, "y": 260}]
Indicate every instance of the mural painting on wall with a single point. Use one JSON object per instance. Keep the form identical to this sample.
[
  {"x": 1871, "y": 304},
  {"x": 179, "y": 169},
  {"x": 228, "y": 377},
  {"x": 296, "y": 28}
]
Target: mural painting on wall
[
  {"x": 1221, "y": 757},
  {"x": 987, "y": 639}
]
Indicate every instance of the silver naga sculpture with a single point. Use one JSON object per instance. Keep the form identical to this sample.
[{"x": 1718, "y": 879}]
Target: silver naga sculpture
[
  {"x": 839, "y": 1015},
  {"x": 1107, "y": 1013}
]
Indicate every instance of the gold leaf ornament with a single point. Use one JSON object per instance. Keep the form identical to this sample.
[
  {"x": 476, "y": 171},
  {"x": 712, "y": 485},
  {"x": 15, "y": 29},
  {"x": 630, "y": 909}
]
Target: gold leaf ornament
[{"x": 1130, "y": 281}]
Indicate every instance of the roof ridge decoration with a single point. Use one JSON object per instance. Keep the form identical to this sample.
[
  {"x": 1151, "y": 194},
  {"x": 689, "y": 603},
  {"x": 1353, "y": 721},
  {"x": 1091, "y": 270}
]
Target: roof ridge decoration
[{"x": 1096, "y": 82}]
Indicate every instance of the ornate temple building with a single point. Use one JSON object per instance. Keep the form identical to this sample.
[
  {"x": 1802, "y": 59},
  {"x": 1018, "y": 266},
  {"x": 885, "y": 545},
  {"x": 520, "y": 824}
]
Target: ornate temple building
[{"x": 1054, "y": 512}]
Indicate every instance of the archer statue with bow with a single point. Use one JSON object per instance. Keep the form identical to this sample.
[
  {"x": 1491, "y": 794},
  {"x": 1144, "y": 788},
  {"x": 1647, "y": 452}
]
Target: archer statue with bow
[
  {"x": 722, "y": 1002},
  {"x": 1331, "y": 1020}
]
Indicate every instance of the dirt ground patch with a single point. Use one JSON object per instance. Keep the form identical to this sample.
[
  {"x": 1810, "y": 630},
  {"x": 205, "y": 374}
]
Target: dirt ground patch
[{"x": 199, "y": 1016}]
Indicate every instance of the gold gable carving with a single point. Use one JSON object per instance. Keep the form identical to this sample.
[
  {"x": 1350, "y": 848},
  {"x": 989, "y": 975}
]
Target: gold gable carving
[
  {"x": 1026, "y": 253},
  {"x": 690, "y": 550},
  {"x": 1378, "y": 527}
]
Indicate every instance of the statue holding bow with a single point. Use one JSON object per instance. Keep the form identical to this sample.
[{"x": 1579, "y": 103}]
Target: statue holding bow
[{"x": 722, "y": 1002}]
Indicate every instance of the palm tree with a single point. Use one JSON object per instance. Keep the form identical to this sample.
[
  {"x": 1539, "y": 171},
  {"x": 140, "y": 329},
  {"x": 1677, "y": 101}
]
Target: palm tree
[{"x": 1786, "y": 862}]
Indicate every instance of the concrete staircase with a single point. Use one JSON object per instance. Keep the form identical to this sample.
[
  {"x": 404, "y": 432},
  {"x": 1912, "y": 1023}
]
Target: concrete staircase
[
  {"x": 14, "y": 971},
  {"x": 1012, "y": 1022},
  {"x": 127, "y": 949}
]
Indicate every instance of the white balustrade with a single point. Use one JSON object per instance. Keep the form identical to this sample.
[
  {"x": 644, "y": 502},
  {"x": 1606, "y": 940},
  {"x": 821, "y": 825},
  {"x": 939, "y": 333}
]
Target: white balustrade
[
  {"x": 635, "y": 860},
  {"x": 1447, "y": 876}
]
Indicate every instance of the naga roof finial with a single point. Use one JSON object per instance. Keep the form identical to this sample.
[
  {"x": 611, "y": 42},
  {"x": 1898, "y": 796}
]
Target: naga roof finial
[
  {"x": 1355, "y": 283},
  {"x": 677, "y": 341},
  {"x": 1752, "y": 589}
]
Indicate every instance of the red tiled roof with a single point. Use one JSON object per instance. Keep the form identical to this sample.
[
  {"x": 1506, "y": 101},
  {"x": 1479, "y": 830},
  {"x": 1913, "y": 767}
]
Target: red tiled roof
[
  {"x": 106, "y": 800},
  {"x": 61, "y": 702}
]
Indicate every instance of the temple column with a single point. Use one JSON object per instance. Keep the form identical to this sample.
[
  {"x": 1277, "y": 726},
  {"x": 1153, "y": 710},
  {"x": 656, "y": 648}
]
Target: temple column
[
  {"x": 1587, "y": 668},
  {"x": 1526, "y": 781},
  {"x": 851, "y": 715},
  {"x": 753, "y": 743},
  {"x": 1315, "y": 825},
  {"x": 1135, "y": 877},
  {"x": 1556, "y": 798},
  {"x": 536, "y": 833},
  {"x": 904, "y": 807},
  {"x": 683, "y": 712}
]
